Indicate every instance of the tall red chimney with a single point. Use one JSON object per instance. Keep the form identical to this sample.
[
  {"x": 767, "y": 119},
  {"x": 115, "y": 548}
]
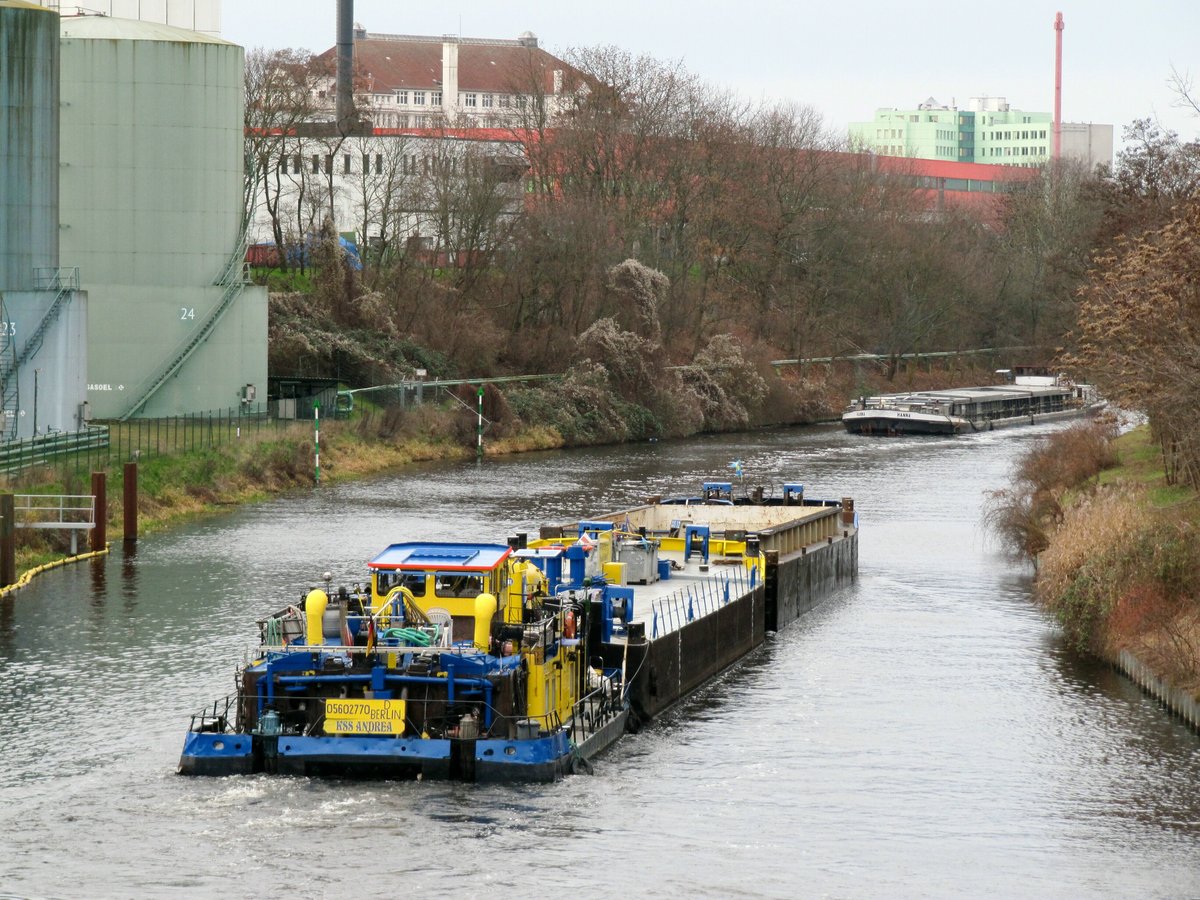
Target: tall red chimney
[{"x": 1058, "y": 30}]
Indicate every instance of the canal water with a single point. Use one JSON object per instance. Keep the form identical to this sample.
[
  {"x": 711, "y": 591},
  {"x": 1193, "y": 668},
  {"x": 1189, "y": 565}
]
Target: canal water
[{"x": 925, "y": 732}]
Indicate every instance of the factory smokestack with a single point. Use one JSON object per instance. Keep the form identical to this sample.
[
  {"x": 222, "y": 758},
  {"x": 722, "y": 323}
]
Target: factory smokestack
[
  {"x": 346, "y": 116},
  {"x": 1058, "y": 30}
]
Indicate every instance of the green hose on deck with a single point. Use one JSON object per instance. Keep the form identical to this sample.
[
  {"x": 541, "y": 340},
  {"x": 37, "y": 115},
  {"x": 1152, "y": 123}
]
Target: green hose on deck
[{"x": 412, "y": 637}]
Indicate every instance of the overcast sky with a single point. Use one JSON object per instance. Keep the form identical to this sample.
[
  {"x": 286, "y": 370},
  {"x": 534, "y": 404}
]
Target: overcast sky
[{"x": 844, "y": 59}]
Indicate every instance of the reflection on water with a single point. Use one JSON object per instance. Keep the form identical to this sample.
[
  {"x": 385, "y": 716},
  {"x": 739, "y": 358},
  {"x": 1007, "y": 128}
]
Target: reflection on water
[{"x": 924, "y": 732}]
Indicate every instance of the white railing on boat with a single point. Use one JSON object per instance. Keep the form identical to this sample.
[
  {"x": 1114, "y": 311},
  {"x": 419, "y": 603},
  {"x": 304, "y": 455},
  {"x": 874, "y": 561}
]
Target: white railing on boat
[{"x": 699, "y": 599}]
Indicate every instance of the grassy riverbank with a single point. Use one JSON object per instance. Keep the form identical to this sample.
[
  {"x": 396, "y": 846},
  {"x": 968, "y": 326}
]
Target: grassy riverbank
[{"x": 1117, "y": 547}]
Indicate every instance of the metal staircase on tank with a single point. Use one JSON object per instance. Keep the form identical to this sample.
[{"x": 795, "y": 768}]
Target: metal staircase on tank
[
  {"x": 64, "y": 281},
  {"x": 9, "y": 397},
  {"x": 233, "y": 277}
]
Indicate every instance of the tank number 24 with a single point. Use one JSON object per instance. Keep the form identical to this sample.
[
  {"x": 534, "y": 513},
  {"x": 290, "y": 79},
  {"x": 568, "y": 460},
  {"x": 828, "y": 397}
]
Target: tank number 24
[{"x": 187, "y": 312}]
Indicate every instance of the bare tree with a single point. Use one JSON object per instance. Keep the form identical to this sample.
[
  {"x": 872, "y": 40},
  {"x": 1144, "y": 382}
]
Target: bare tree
[{"x": 279, "y": 103}]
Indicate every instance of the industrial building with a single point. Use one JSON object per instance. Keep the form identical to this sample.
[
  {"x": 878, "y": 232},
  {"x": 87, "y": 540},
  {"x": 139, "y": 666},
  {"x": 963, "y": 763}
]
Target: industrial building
[
  {"x": 131, "y": 172},
  {"x": 988, "y": 130}
]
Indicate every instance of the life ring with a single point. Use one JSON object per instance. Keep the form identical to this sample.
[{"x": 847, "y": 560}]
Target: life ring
[{"x": 569, "y": 624}]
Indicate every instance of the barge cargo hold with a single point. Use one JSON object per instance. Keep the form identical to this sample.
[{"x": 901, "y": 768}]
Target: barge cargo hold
[
  {"x": 523, "y": 661},
  {"x": 1029, "y": 400}
]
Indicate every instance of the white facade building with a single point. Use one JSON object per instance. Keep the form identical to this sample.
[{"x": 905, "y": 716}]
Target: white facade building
[
  {"x": 203, "y": 16},
  {"x": 391, "y": 192},
  {"x": 445, "y": 117},
  {"x": 415, "y": 81}
]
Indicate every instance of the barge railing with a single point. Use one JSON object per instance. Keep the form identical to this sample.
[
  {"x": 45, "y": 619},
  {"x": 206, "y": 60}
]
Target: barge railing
[
  {"x": 699, "y": 599},
  {"x": 594, "y": 710},
  {"x": 215, "y": 717}
]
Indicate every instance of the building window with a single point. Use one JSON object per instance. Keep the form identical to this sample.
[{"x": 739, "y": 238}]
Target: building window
[
  {"x": 418, "y": 98},
  {"x": 504, "y": 101},
  {"x": 519, "y": 101},
  {"x": 328, "y": 163},
  {"x": 346, "y": 164},
  {"x": 487, "y": 101},
  {"x": 316, "y": 161},
  {"x": 435, "y": 99},
  {"x": 470, "y": 100},
  {"x": 402, "y": 97}
]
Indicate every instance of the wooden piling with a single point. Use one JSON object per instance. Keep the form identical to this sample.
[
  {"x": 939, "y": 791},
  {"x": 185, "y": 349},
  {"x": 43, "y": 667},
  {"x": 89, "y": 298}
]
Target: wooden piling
[
  {"x": 100, "y": 532},
  {"x": 130, "y": 504},
  {"x": 8, "y": 540}
]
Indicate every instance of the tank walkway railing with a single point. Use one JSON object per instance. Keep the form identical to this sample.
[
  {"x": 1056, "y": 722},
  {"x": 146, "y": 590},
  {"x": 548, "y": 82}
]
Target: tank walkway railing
[
  {"x": 699, "y": 599},
  {"x": 234, "y": 278},
  {"x": 64, "y": 281},
  {"x": 9, "y": 395}
]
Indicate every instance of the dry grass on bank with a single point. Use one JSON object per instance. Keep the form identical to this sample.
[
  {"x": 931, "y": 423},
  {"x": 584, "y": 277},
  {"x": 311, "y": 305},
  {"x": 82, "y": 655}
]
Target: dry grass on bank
[
  {"x": 1122, "y": 567},
  {"x": 1025, "y": 515}
]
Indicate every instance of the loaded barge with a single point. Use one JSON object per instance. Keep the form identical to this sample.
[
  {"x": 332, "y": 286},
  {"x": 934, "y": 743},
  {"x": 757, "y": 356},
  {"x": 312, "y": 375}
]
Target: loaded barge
[
  {"x": 524, "y": 660},
  {"x": 1034, "y": 396}
]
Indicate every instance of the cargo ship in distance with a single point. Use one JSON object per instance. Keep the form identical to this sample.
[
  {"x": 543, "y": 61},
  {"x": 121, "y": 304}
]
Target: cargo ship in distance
[
  {"x": 1033, "y": 395},
  {"x": 522, "y": 661}
]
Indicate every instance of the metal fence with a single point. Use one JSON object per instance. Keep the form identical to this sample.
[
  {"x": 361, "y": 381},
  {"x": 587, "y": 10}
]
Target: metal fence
[{"x": 103, "y": 445}]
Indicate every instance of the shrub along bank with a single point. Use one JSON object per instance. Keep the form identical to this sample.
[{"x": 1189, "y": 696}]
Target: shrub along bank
[{"x": 1116, "y": 547}]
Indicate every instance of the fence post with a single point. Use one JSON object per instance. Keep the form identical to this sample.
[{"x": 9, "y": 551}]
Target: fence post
[
  {"x": 8, "y": 540},
  {"x": 130, "y": 503},
  {"x": 100, "y": 532}
]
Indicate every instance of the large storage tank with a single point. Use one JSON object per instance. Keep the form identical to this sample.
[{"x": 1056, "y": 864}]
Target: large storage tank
[
  {"x": 28, "y": 142},
  {"x": 152, "y": 215}
]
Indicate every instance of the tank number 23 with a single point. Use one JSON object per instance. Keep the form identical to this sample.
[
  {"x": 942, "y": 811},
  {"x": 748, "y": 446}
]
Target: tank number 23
[{"x": 187, "y": 312}]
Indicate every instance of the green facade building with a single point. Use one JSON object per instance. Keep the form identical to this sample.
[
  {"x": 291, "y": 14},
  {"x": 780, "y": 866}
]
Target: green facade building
[{"x": 987, "y": 131}]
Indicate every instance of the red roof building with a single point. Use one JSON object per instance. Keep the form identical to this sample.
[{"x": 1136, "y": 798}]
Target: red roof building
[{"x": 417, "y": 81}]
